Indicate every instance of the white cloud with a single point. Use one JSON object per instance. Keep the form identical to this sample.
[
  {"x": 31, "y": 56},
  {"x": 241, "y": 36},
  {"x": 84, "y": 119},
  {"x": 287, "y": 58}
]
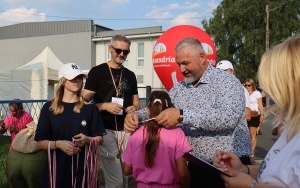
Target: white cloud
[
  {"x": 19, "y": 15},
  {"x": 191, "y": 6},
  {"x": 159, "y": 14},
  {"x": 190, "y": 18},
  {"x": 118, "y": 1},
  {"x": 173, "y": 6}
]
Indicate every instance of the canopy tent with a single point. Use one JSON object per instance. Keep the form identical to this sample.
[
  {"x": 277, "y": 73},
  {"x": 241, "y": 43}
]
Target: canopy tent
[{"x": 33, "y": 81}]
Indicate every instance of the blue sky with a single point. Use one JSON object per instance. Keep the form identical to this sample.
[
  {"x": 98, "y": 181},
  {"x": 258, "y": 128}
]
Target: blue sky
[{"x": 114, "y": 14}]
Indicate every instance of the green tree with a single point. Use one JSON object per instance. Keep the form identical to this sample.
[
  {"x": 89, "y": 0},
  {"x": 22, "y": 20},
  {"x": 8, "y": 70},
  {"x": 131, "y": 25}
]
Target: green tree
[{"x": 238, "y": 28}]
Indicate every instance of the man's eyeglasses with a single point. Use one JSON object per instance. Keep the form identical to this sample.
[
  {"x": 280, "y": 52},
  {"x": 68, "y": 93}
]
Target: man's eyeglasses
[
  {"x": 118, "y": 51},
  {"x": 247, "y": 85}
]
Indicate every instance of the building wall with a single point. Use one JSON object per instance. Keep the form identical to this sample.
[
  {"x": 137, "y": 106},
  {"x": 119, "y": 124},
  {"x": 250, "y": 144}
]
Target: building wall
[{"x": 73, "y": 47}]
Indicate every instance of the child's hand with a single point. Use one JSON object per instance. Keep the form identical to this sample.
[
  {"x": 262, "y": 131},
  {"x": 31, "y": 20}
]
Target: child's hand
[
  {"x": 68, "y": 147},
  {"x": 2, "y": 127},
  {"x": 2, "y": 124},
  {"x": 14, "y": 129},
  {"x": 81, "y": 139}
]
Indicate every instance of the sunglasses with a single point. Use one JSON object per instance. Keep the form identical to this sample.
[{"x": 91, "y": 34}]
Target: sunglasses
[
  {"x": 119, "y": 51},
  {"x": 247, "y": 85}
]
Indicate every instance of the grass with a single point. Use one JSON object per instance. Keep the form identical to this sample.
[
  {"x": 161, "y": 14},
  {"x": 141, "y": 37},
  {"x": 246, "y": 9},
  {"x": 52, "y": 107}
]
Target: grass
[{"x": 4, "y": 149}]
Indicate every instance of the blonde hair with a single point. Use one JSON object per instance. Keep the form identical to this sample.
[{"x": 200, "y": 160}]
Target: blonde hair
[
  {"x": 279, "y": 77},
  {"x": 57, "y": 104}
]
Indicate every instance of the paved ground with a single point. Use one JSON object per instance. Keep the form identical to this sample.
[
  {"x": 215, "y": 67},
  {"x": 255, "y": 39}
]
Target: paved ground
[
  {"x": 266, "y": 140},
  {"x": 264, "y": 143}
]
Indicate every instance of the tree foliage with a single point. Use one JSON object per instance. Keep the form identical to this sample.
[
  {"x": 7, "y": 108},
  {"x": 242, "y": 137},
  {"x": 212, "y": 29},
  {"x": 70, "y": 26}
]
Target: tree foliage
[{"x": 238, "y": 28}]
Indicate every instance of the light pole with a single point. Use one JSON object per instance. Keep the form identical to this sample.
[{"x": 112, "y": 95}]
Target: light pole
[
  {"x": 267, "y": 23},
  {"x": 267, "y": 27},
  {"x": 268, "y": 40}
]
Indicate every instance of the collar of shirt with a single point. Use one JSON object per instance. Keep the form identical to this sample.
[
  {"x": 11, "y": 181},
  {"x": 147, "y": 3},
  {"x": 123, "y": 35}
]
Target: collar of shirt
[{"x": 205, "y": 79}]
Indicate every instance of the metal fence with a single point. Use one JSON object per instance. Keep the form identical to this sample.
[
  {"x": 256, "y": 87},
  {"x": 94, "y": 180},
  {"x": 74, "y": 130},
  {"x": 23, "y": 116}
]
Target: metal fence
[{"x": 31, "y": 106}]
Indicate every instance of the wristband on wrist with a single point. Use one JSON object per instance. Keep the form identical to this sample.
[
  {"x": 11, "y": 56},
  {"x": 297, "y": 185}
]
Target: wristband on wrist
[
  {"x": 86, "y": 100},
  {"x": 55, "y": 145},
  {"x": 248, "y": 169},
  {"x": 180, "y": 118}
]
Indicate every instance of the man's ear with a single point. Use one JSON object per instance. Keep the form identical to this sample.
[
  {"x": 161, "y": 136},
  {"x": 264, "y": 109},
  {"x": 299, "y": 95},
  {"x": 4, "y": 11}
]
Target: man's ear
[
  {"x": 202, "y": 56},
  {"x": 109, "y": 48}
]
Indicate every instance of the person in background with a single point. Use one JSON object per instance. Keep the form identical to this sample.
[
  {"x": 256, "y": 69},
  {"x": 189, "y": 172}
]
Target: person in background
[
  {"x": 114, "y": 90},
  {"x": 227, "y": 66},
  {"x": 257, "y": 111},
  {"x": 22, "y": 170},
  {"x": 278, "y": 75},
  {"x": 155, "y": 154},
  {"x": 210, "y": 103},
  {"x": 67, "y": 124},
  {"x": 16, "y": 120}
]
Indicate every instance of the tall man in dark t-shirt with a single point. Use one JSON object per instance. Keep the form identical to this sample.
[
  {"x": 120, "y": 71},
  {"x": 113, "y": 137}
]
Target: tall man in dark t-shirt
[{"x": 114, "y": 89}]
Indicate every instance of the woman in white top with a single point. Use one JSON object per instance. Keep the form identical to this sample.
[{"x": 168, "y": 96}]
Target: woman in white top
[
  {"x": 279, "y": 77},
  {"x": 256, "y": 105}
]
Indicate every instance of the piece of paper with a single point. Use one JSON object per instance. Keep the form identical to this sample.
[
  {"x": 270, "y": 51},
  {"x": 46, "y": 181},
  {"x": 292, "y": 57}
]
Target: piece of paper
[{"x": 119, "y": 101}]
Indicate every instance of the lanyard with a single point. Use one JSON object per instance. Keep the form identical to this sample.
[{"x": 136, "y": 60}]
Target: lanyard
[
  {"x": 112, "y": 77},
  {"x": 119, "y": 143},
  {"x": 52, "y": 171}
]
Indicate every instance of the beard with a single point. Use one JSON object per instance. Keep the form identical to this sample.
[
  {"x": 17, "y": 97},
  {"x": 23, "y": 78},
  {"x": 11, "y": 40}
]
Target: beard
[
  {"x": 190, "y": 79},
  {"x": 119, "y": 60}
]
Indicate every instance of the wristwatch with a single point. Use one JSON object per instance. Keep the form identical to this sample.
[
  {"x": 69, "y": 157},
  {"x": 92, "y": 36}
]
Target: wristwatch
[
  {"x": 252, "y": 184},
  {"x": 180, "y": 118}
]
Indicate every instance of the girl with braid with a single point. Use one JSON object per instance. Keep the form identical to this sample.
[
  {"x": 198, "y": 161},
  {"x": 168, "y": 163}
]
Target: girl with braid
[{"x": 154, "y": 155}]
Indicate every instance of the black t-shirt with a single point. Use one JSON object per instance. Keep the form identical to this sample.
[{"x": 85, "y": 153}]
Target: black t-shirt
[
  {"x": 100, "y": 81},
  {"x": 63, "y": 127}
]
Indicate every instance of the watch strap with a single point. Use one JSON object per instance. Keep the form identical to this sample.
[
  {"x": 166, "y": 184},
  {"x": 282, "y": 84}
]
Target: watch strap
[{"x": 252, "y": 184}]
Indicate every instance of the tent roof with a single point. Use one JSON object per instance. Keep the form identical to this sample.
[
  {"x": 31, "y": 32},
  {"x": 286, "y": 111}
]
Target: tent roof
[{"x": 45, "y": 59}]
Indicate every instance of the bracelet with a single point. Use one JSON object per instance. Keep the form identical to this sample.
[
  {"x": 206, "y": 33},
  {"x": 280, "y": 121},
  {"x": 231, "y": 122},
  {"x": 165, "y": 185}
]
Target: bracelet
[
  {"x": 55, "y": 145},
  {"x": 252, "y": 184},
  {"x": 248, "y": 169}
]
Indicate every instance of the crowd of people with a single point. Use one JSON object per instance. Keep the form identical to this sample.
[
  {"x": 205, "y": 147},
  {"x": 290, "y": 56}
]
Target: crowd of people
[{"x": 210, "y": 115}]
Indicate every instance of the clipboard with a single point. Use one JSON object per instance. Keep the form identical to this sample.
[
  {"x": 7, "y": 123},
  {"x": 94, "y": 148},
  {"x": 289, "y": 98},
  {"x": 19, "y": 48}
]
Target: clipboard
[{"x": 201, "y": 162}]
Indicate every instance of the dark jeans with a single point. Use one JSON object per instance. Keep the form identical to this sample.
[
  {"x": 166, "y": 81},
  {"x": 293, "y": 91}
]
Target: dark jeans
[{"x": 204, "y": 176}]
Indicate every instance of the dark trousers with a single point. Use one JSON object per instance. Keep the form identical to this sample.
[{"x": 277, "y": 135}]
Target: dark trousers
[{"x": 204, "y": 176}]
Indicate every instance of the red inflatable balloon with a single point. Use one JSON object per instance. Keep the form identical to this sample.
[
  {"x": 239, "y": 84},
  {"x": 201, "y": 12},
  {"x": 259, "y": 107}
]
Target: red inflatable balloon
[{"x": 163, "y": 56}]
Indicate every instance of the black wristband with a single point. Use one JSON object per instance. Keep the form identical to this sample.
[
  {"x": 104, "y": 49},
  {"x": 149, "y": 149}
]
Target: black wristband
[
  {"x": 248, "y": 169},
  {"x": 86, "y": 100},
  {"x": 180, "y": 118}
]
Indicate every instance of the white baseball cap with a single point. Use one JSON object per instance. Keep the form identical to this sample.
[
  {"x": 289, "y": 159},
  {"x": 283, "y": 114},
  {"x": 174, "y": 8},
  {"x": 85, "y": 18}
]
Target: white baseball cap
[
  {"x": 70, "y": 71},
  {"x": 224, "y": 65}
]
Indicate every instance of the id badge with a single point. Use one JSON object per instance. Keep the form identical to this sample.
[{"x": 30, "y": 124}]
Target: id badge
[{"x": 119, "y": 101}]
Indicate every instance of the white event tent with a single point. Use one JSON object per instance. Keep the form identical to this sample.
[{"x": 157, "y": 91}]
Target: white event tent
[{"x": 33, "y": 81}]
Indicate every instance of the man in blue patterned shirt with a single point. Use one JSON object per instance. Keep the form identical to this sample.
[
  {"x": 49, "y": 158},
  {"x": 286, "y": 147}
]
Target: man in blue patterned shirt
[{"x": 210, "y": 104}]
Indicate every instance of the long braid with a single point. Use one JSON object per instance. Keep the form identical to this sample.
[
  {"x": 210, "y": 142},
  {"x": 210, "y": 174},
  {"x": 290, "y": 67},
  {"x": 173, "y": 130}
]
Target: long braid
[{"x": 158, "y": 101}]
